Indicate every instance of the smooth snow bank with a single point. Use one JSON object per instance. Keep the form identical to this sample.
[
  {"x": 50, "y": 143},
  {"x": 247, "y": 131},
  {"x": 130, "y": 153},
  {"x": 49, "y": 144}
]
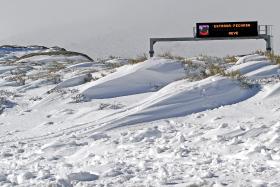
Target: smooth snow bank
[
  {"x": 266, "y": 71},
  {"x": 273, "y": 91},
  {"x": 82, "y": 65},
  {"x": 253, "y": 57},
  {"x": 249, "y": 66},
  {"x": 4, "y": 69},
  {"x": 134, "y": 79},
  {"x": 182, "y": 98},
  {"x": 75, "y": 81},
  {"x": 256, "y": 67},
  {"x": 117, "y": 61}
]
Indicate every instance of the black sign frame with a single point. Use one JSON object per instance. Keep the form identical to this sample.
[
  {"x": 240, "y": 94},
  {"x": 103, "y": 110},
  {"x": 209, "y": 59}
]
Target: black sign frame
[{"x": 227, "y": 29}]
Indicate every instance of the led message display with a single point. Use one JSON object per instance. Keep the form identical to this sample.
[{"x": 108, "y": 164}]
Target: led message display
[{"x": 227, "y": 29}]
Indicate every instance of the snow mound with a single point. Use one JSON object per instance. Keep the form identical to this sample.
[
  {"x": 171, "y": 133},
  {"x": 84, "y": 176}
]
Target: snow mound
[
  {"x": 253, "y": 57},
  {"x": 256, "y": 67},
  {"x": 249, "y": 66},
  {"x": 117, "y": 61},
  {"x": 273, "y": 91},
  {"x": 134, "y": 79},
  {"x": 264, "y": 72},
  {"x": 82, "y": 65},
  {"x": 75, "y": 81},
  {"x": 4, "y": 69},
  {"x": 182, "y": 98}
]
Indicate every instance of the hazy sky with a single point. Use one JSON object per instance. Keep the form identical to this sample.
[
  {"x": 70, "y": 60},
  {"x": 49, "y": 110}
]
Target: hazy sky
[{"x": 123, "y": 27}]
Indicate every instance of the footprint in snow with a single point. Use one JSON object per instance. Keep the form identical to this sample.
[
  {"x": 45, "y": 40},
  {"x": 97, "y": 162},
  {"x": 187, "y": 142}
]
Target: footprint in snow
[
  {"x": 7, "y": 154},
  {"x": 49, "y": 116},
  {"x": 48, "y": 123},
  {"x": 20, "y": 151},
  {"x": 12, "y": 132},
  {"x": 223, "y": 125},
  {"x": 67, "y": 111},
  {"x": 276, "y": 110},
  {"x": 217, "y": 118},
  {"x": 200, "y": 115},
  {"x": 98, "y": 136}
]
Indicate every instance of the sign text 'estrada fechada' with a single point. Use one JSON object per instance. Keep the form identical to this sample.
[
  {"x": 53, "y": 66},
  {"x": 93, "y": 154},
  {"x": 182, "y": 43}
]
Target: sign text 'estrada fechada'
[{"x": 227, "y": 29}]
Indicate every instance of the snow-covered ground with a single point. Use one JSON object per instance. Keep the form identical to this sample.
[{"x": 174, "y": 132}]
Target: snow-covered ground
[{"x": 72, "y": 122}]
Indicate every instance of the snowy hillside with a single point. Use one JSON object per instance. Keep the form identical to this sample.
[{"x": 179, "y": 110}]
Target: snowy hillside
[{"x": 69, "y": 121}]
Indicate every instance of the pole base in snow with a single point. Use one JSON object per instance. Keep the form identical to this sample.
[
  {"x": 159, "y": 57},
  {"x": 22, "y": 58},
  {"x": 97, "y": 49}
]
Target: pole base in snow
[{"x": 151, "y": 53}]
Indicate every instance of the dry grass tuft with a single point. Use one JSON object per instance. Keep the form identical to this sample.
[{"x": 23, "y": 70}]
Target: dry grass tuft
[
  {"x": 138, "y": 59},
  {"x": 275, "y": 58}
]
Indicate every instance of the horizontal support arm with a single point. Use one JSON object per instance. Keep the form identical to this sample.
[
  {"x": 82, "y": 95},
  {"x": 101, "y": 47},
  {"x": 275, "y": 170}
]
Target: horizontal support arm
[{"x": 265, "y": 37}]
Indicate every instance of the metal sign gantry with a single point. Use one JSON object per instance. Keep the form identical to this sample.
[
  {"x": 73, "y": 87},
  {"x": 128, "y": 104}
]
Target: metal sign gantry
[{"x": 265, "y": 33}]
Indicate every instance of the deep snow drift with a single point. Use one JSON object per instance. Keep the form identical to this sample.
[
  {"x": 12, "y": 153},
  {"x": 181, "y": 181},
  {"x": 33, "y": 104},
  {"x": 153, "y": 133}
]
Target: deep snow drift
[{"x": 69, "y": 121}]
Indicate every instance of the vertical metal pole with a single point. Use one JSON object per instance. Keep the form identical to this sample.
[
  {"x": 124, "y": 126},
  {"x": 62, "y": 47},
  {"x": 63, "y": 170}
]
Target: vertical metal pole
[
  {"x": 194, "y": 31},
  {"x": 152, "y": 42},
  {"x": 268, "y": 39},
  {"x": 268, "y": 43}
]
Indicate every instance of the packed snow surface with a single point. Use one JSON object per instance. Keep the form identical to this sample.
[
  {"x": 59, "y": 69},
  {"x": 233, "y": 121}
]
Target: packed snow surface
[{"x": 146, "y": 124}]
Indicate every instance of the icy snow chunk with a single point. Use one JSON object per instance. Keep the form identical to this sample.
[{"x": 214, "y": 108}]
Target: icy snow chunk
[
  {"x": 163, "y": 175},
  {"x": 63, "y": 183},
  {"x": 195, "y": 182},
  {"x": 182, "y": 151},
  {"x": 12, "y": 178},
  {"x": 82, "y": 176},
  {"x": 43, "y": 174},
  {"x": 112, "y": 173},
  {"x": 149, "y": 133},
  {"x": 99, "y": 136},
  {"x": 21, "y": 178},
  {"x": 207, "y": 174},
  {"x": 2, "y": 177},
  {"x": 181, "y": 138}
]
